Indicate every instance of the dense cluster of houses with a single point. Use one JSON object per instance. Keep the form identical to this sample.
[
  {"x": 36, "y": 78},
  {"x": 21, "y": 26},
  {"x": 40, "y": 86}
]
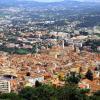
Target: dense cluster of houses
[{"x": 18, "y": 71}]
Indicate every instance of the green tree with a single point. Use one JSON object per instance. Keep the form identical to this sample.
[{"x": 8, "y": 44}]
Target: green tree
[
  {"x": 43, "y": 92},
  {"x": 73, "y": 78},
  {"x": 37, "y": 84},
  {"x": 10, "y": 96},
  {"x": 70, "y": 92},
  {"x": 96, "y": 96},
  {"x": 89, "y": 75},
  {"x": 27, "y": 93}
]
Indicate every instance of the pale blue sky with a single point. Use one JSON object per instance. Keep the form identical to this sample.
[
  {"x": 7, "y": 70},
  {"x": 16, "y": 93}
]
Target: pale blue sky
[
  {"x": 49, "y": 0},
  {"x": 46, "y": 0},
  {"x": 61, "y": 0}
]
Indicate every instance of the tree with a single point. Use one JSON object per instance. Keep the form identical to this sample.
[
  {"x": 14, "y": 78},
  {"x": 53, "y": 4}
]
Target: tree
[
  {"x": 49, "y": 92},
  {"x": 70, "y": 92},
  {"x": 27, "y": 93},
  {"x": 96, "y": 96},
  {"x": 89, "y": 75},
  {"x": 37, "y": 84},
  {"x": 10, "y": 96},
  {"x": 73, "y": 78},
  {"x": 84, "y": 91},
  {"x": 28, "y": 74},
  {"x": 34, "y": 49},
  {"x": 43, "y": 92}
]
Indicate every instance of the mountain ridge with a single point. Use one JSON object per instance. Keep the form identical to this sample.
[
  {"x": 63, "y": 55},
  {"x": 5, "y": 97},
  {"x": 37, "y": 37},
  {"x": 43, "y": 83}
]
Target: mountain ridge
[{"x": 65, "y": 3}]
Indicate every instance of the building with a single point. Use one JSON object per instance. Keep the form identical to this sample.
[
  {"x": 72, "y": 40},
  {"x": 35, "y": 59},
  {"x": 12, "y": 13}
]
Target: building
[
  {"x": 5, "y": 86},
  {"x": 33, "y": 80}
]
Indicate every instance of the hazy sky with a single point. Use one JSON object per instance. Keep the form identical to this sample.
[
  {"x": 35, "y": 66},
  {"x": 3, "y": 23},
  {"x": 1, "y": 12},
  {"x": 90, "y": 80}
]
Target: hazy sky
[
  {"x": 61, "y": 0},
  {"x": 48, "y": 0},
  {"x": 90, "y": 0}
]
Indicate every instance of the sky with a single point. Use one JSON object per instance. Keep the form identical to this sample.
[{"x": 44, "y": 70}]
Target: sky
[
  {"x": 49, "y": 0},
  {"x": 46, "y": 0},
  {"x": 90, "y": 0},
  {"x": 63, "y": 0}
]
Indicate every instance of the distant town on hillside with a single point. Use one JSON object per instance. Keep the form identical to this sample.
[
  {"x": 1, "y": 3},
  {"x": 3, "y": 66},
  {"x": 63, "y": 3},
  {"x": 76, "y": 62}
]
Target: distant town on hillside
[{"x": 49, "y": 50}]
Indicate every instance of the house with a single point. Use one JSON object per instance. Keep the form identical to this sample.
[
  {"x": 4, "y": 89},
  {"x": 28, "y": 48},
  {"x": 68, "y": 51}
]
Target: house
[{"x": 31, "y": 80}]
